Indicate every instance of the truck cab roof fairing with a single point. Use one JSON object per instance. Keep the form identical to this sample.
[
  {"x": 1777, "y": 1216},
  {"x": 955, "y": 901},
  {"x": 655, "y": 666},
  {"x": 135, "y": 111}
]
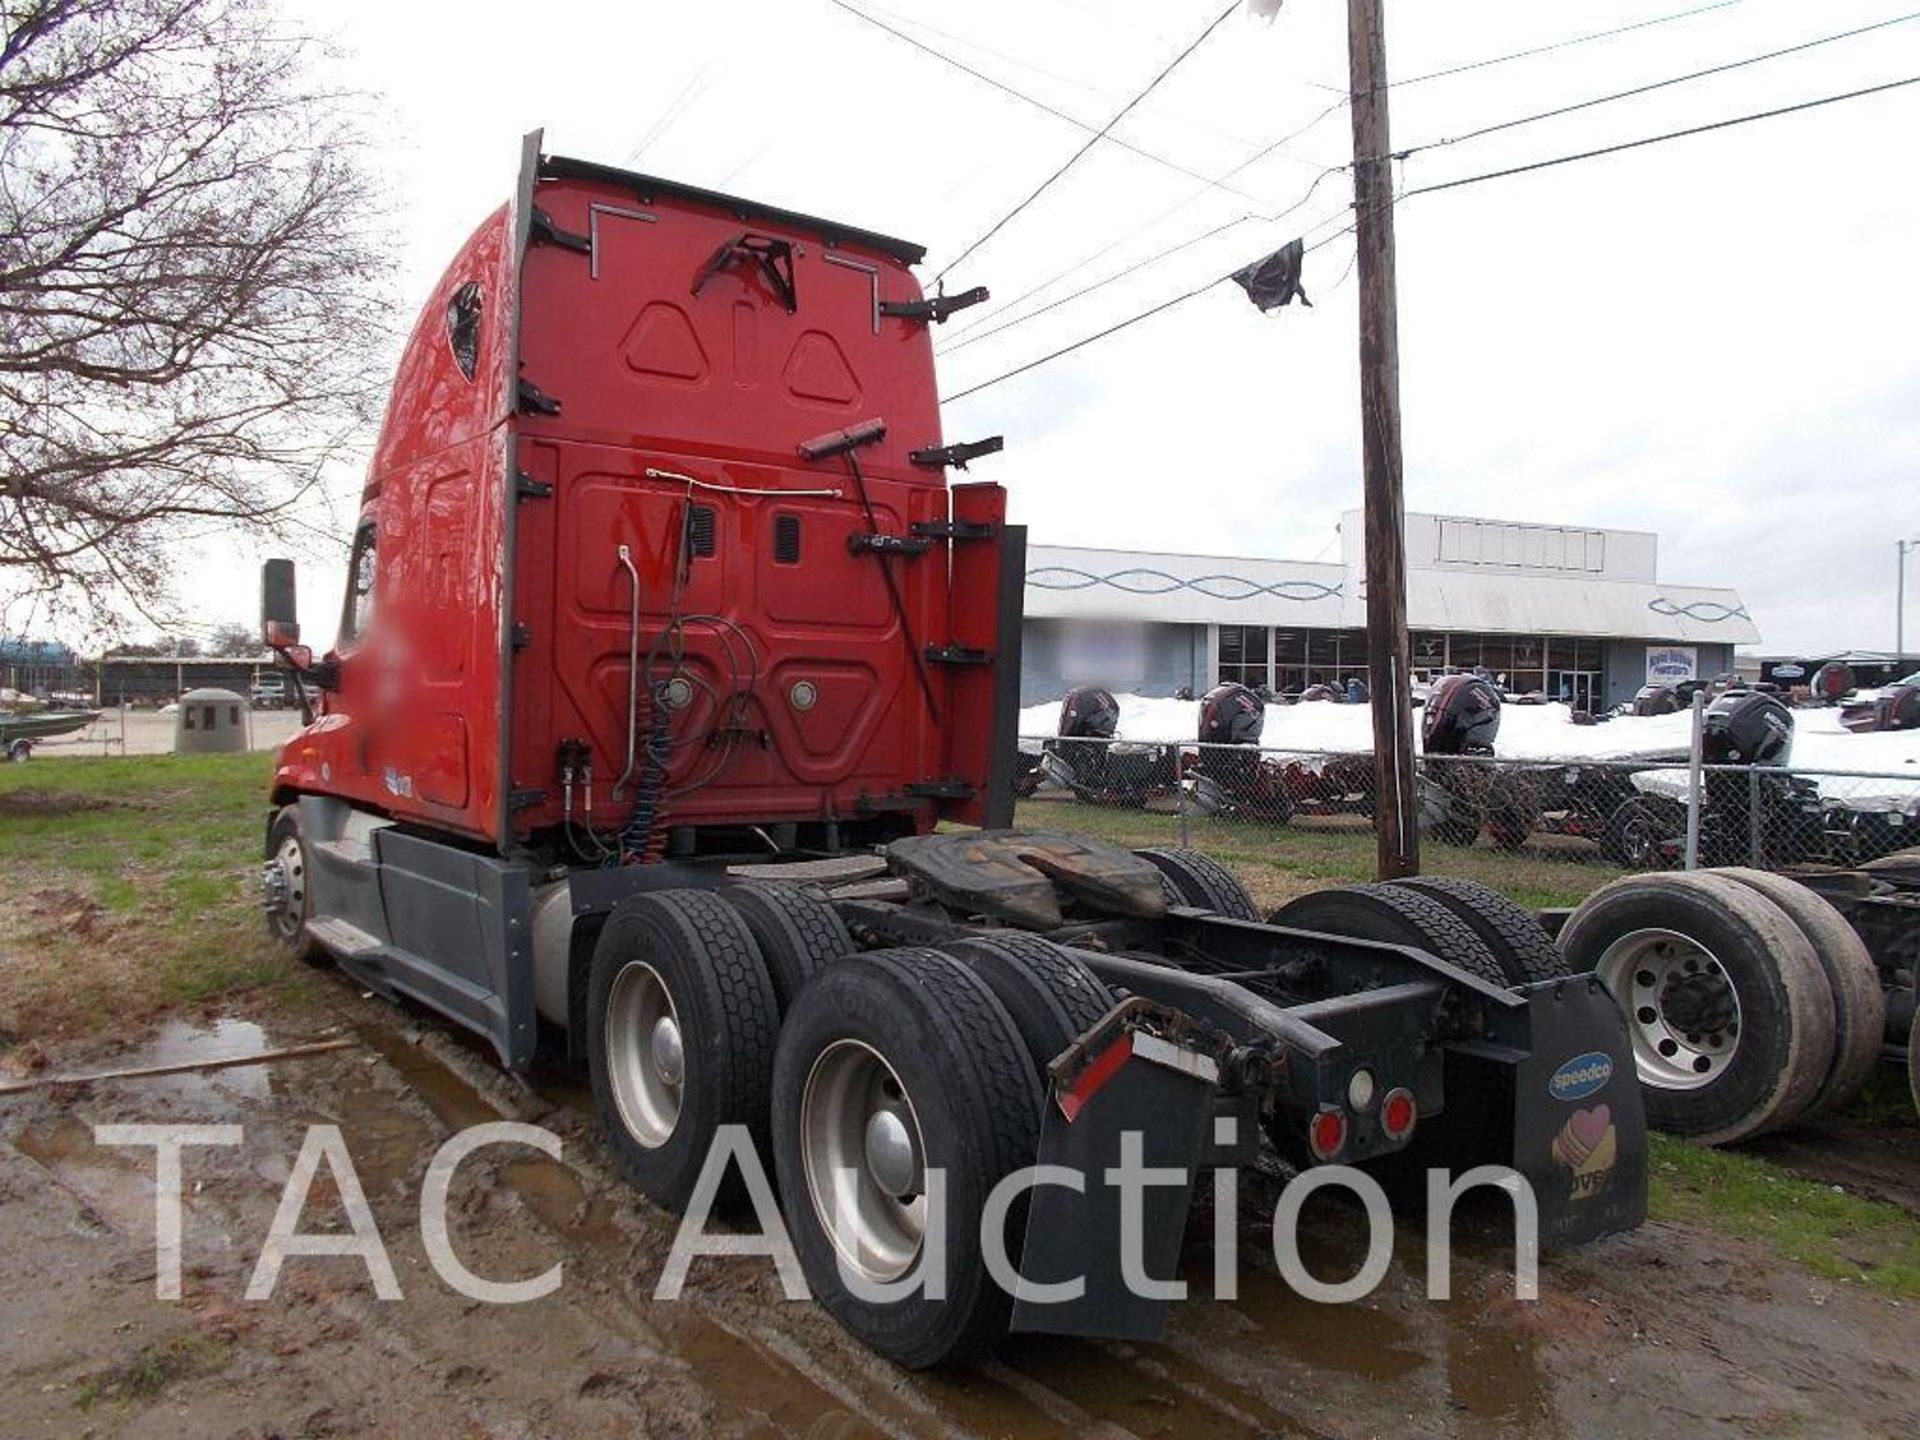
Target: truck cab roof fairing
[{"x": 647, "y": 187}]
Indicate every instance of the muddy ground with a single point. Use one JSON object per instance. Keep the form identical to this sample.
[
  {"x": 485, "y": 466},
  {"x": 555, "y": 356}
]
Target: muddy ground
[{"x": 1670, "y": 1329}]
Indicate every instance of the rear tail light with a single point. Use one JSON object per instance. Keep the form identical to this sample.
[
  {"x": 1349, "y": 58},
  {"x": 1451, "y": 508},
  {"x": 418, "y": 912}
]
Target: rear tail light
[
  {"x": 1327, "y": 1134},
  {"x": 1398, "y": 1113}
]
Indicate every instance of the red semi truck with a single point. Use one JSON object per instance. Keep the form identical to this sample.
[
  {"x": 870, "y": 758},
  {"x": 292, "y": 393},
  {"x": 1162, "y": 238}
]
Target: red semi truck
[{"x": 658, "y": 576}]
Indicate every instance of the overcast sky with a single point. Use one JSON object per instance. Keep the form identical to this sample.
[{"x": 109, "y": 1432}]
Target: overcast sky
[{"x": 1712, "y": 339}]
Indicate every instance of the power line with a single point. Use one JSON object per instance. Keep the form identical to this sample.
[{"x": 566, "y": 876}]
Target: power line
[
  {"x": 1655, "y": 85},
  {"x": 1566, "y": 44},
  {"x": 1661, "y": 138},
  {"x": 967, "y": 337},
  {"x": 1131, "y": 320},
  {"x": 1493, "y": 60},
  {"x": 977, "y": 334},
  {"x": 975, "y": 331},
  {"x": 1026, "y": 99},
  {"x": 1096, "y": 91},
  {"x": 1453, "y": 185},
  {"x": 1092, "y": 140}
]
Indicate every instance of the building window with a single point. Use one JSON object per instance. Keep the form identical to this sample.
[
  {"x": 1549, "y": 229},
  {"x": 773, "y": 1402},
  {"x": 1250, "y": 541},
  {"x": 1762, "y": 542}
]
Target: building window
[
  {"x": 1289, "y": 661},
  {"x": 1243, "y": 655},
  {"x": 1429, "y": 653}
]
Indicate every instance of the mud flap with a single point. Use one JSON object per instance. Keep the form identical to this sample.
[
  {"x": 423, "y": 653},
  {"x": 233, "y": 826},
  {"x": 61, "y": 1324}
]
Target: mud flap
[
  {"x": 1554, "y": 1096},
  {"x": 1137, "y": 1084}
]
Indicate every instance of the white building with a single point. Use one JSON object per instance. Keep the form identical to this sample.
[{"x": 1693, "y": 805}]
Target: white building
[{"x": 1568, "y": 611}]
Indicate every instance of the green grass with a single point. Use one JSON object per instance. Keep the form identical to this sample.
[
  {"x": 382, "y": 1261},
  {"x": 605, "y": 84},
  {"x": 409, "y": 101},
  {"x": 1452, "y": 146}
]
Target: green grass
[
  {"x": 131, "y": 883},
  {"x": 1839, "y": 1236},
  {"x": 1277, "y": 861}
]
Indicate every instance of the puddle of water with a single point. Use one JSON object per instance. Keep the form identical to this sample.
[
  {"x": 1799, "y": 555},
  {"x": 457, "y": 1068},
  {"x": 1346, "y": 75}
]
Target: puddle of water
[{"x": 179, "y": 1042}]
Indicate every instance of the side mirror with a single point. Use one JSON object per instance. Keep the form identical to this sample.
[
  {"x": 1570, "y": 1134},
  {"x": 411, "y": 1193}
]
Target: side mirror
[
  {"x": 279, "y": 606},
  {"x": 298, "y": 657}
]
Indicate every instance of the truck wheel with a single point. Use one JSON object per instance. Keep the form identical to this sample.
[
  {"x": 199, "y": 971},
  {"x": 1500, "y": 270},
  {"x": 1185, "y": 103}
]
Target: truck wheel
[
  {"x": 1394, "y": 916},
  {"x": 681, "y": 1023},
  {"x": 19, "y": 752},
  {"x": 1913, "y": 1064},
  {"x": 1728, "y": 1010},
  {"x": 1637, "y": 829},
  {"x": 1518, "y": 943},
  {"x": 289, "y": 901},
  {"x": 1050, "y": 993},
  {"x": 1204, "y": 882},
  {"x": 798, "y": 933},
  {"x": 1859, "y": 1004},
  {"x": 894, "y": 1063}
]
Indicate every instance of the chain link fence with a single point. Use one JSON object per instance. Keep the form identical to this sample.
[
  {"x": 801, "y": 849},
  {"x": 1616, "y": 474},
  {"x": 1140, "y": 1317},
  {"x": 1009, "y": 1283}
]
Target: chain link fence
[{"x": 1611, "y": 815}]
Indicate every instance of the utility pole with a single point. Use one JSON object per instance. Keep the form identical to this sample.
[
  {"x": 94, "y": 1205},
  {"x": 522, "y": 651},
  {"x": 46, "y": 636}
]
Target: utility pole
[
  {"x": 1900, "y": 604},
  {"x": 1396, "y": 823}
]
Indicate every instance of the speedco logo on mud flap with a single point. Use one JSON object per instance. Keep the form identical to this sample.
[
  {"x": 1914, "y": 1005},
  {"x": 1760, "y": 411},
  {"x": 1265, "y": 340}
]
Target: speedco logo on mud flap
[{"x": 1581, "y": 1076}]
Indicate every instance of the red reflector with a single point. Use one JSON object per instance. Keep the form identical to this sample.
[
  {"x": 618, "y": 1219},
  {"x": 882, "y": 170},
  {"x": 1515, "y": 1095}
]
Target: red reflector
[
  {"x": 1397, "y": 1114},
  {"x": 1327, "y": 1134}
]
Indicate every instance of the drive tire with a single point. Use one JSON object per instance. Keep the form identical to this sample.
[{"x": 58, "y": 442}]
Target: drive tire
[
  {"x": 1050, "y": 994},
  {"x": 1203, "y": 882},
  {"x": 799, "y": 934},
  {"x": 1859, "y": 1004},
  {"x": 727, "y": 1020},
  {"x": 288, "y": 927},
  {"x": 1394, "y": 916},
  {"x": 1785, "y": 1018},
  {"x": 1521, "y": 947},
  {"x": 971, "y": 1092}
]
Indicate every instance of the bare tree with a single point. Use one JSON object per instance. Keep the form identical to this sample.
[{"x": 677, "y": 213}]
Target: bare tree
[
  {"x": 234, "y": 641},
  {"x": 192, "y": 290}
]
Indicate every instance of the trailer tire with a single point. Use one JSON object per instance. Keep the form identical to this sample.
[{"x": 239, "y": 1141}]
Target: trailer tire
[
  {"x": 1518, "y": 943},
  {"x": 798, "y": 933},
  {"x": 915, "y": 1033},
  {"x": 1394, "y": 916},
  {"x": 1204, "y": 882},
  {"x": 19, "y": 752},
  {"x": 287, "y": 922},
  {"x": 682, "y": 1019},
  {"x": 1674, "y": 928},
  {"x": 1636, "y": 828},
  {"x": 1859, "y": 1004},
  {"x": 1913, "y": 1064},
  {"x": 1050, "y": 993}
]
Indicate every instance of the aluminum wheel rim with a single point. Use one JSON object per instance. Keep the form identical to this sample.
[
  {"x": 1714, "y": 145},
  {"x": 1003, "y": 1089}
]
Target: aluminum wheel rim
[
  {"x": 292, "y": 910},
  {"x": 851, "y": 1093},
  {"x": 1683, "y": 1013},
  {"x": 646, "y": 1056}
]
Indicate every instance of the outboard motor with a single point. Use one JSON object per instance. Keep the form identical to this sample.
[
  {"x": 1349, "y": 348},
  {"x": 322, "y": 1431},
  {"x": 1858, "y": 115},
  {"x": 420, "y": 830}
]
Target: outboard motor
[
  {"x": 1462, "y": 716},
  {"x": 1895, "y": 708},
  {"x": 1231, "y": 715},
  {"x": 1100, "y": 769},
  {"x": 1655, "y": 700},
  {"x": 1831, "y": 681},
  {"x": 1746, "y": 728},
  {"x": 1225, "y": 780},
  {"x": 1089, "y": 713}
]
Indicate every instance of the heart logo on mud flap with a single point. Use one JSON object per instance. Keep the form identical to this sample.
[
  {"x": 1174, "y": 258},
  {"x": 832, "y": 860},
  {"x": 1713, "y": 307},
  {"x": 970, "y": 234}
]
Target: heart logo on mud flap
[{"x": 1588, "y": 1146}]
